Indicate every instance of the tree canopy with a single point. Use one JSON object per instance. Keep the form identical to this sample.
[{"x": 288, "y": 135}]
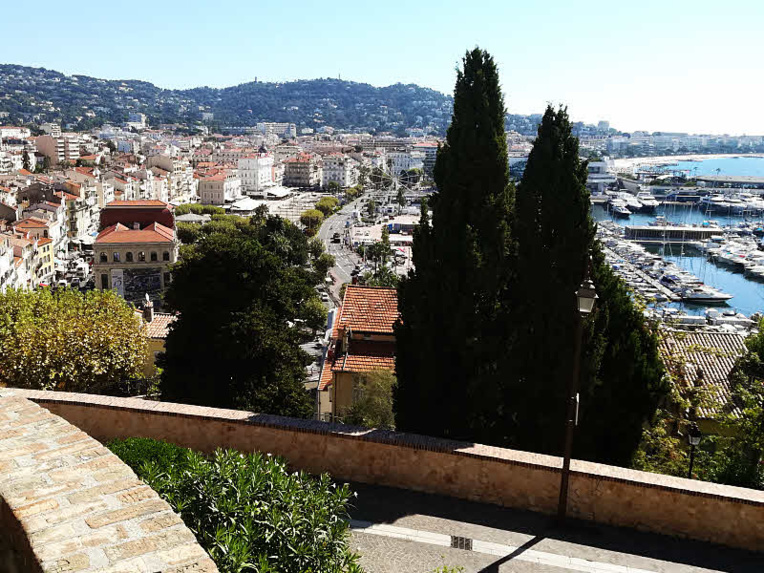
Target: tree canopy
[
  {"x": 454, "y": 328},
  {"x": 67, "y": 340},
  {"x": 246, "y": 298}
]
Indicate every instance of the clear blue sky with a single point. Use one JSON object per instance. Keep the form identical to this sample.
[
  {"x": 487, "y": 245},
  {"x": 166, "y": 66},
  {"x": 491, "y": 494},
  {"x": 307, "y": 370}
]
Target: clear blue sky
[{"x": 678, "y": 65}]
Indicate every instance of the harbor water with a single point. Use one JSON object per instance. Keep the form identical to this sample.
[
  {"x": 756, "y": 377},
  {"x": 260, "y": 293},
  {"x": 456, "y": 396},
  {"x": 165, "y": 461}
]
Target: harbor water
[{"x": 748, "y": 294}]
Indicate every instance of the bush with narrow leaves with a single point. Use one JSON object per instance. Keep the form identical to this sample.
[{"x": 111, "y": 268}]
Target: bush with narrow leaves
[{"x": 250, "y": 512}]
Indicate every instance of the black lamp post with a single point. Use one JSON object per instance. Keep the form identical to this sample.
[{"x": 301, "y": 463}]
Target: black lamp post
[
  {"x": 693, "y": 438},
  {"x": 586, "y": 297}
]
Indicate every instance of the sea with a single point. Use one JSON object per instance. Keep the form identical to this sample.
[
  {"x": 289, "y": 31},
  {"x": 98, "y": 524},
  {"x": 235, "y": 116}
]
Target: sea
[{"x": 748, "y": 294}]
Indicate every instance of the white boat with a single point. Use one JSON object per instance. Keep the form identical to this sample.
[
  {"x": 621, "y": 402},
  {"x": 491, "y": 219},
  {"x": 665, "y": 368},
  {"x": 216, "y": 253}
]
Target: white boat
[
  {"x": 632, "y": 203},
  {"x": 619, "y": 208},
  {"x": 704, "y": 294},
  {"x": 649, "y": 203}
]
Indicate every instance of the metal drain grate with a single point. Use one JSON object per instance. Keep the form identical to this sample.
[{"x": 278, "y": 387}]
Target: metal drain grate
[{"x": 461, "y": 542}]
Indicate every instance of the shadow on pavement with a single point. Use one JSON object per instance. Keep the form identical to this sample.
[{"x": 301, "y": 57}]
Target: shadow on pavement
[{"x": 380, "y": 504}]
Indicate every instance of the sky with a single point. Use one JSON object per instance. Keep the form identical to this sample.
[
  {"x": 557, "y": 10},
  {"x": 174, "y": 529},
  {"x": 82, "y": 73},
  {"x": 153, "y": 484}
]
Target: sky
[{"x": 671, "y": 65}]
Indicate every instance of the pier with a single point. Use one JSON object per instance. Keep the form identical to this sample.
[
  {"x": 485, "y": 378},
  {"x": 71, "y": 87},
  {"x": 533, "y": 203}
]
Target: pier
[
  {"x": 656, "y": 284},
  {"x": 669, "y": 234}
]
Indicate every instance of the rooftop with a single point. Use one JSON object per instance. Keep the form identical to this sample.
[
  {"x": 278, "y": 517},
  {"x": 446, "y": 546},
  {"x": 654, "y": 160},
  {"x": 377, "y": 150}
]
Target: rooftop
[
  {"x": 119, "y": 233},
  {"x": 369, "y": 309},
  {"x": 705, "y": 361}
]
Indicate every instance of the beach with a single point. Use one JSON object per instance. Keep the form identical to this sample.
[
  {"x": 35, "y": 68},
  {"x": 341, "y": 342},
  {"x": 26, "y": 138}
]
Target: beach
[{"x": 628, "y": 163}]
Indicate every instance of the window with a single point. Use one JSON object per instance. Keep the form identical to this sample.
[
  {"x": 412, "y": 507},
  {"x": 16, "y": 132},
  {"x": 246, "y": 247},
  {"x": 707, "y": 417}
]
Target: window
[
  {"x": 115, "y": 257},
  {"x": 104, "y": 259},
  {"x": 141, "y": 256},
  {"x": 129, "y": 257},
  {"x": 166, "y": 256},
  {"x": 45, "y": 233},
  {"x": 104, "y": 281},
  {"x": 154, "y": 257}
]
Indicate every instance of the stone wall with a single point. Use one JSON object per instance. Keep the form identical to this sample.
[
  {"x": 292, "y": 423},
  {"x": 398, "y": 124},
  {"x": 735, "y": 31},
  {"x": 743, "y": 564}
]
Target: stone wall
[
  {"x": 606, "y": 494},
  {"x": 68, "y": 504}
]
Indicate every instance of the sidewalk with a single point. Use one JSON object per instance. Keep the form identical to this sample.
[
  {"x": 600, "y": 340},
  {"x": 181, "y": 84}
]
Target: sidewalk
[{"x": 401, "y": 531}]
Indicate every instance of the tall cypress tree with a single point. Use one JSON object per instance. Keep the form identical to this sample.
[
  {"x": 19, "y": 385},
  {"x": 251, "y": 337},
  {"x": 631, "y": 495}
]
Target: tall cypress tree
[
  {"x": 455, "y": 331},
  {"x": 621, "y": 372},
  {"x": 555, "y": 234}
]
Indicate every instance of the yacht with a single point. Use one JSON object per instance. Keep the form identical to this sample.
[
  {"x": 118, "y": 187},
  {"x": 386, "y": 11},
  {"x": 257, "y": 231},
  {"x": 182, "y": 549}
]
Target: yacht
[
  {"x": 632, "y": 203},
  {"x": 704, "y": 294},
  {"x": 619, "y": 209},
  {"x": 649, "y": 203}
]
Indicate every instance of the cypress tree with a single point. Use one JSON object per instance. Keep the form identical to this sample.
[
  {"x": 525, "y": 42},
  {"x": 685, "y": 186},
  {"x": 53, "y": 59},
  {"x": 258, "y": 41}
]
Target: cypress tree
[
  {"x": 621, "y": 373},
  {"x": 455, "y": 332}
]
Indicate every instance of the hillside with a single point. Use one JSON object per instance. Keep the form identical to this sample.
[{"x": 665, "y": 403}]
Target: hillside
[{"x": 36, "y": 95}]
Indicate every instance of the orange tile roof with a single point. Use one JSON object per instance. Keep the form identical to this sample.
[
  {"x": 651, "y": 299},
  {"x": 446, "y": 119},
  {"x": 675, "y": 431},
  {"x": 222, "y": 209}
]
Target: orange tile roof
[
  {"x": 44, "y": 241},
  {"x": 33, "y": 223},
  {"x": 365, "y": 357},
  {"x": 705, "y": 359},
  {"x": 369, "y": 309},
  {"x": 159, "y": 327},
  {"x": 138, "y": 203},
  {"x": 119, "y": 233}
]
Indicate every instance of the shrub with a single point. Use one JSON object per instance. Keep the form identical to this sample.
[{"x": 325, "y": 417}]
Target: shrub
[{"x": 249, "y": 511}]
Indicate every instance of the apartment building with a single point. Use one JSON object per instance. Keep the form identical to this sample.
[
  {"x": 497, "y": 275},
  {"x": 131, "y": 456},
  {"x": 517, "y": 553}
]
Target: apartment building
[
  {"x": 303, "y": 170},
  {"x": 255, "y": 172},
  {"x": 339, "y": 168},
  {"x": 285, "y": 130},
  {"x": 220, "y": 188}
]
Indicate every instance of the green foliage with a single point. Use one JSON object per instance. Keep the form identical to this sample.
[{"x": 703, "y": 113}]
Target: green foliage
[
  {"x": 373, "y": 402},
  {"x": 380, "y": 254},
  {"x": 188, "y": 232},
  {"x": 67, "y": 340},
  {"x": 454, "y": 332},
  {"x": 327, "y": 205},
  {"x": 333, "y": 187},
  {"x": 312, "y": 219},
  {"x": 25, "y": 161},
  {"x": 249, "y": 512},
  {"x": 247, "y": 286},
  {"x": 198, "y": 209},
  {"x": 354, "y": 192},
  {"x": 342, "y": 104}
]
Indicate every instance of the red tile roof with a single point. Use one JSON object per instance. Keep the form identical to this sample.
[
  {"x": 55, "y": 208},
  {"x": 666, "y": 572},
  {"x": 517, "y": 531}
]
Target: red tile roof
[
  {"x": 138, "y": 203},
  {"x": 704, "y": 360},
  {"x": 32, "y": 223},
  {"x": 159, "y": 327},
  {"x": 119, "y": 233},
  {"x": 369, "y": 309},
  {"x": 365, "y": 357}
]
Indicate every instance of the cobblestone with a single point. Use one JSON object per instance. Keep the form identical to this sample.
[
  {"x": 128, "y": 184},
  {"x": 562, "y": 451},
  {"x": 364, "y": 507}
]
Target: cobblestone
[{"x": 79, "y": 506}]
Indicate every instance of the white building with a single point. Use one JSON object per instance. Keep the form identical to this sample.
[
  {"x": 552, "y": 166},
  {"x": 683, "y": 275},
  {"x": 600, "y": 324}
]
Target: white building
[
  {"x": 256, "y": 172},
  {"x": 405, "y": 160},
  {"x": 223, "y": 187},
  {"x": 52, "y": 129},
  {"x": 286, "y": 130},
  {"x": 340, "y": 169}
]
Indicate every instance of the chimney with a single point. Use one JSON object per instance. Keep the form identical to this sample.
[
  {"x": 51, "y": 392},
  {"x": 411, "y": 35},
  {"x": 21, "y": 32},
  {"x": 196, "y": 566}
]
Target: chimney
[
  {"x": 148, "y": 310},
  {"x": 136, "y": 226}
]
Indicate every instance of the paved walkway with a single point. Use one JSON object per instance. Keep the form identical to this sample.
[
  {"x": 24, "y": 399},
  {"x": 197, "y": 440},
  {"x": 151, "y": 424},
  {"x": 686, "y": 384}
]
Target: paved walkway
[{"x": 400, "y": 531}]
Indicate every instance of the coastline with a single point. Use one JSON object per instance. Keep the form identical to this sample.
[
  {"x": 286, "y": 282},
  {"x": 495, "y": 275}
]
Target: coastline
[{"x": 628, "y": 163}]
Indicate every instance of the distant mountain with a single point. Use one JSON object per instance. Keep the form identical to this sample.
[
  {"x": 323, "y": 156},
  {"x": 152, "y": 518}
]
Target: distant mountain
[{"x": 36, "y": 95}]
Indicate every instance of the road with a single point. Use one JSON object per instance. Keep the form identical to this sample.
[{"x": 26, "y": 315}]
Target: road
[{"x": 345, "y": 259}]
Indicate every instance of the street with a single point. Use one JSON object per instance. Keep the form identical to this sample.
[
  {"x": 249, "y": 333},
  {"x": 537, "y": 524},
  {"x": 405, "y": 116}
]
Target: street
[{"x": 345, "y": 259}]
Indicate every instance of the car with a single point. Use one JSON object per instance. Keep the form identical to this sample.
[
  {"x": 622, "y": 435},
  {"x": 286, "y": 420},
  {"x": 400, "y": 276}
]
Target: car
[{"x": 324, "y": 297}]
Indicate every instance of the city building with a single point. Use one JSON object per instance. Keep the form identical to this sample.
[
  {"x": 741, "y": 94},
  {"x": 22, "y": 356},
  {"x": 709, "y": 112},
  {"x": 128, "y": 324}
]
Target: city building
[
  {"x": 220, "y": 188},
  {"x": 362, "y": 340},
  {"x": 284, "y": 130},
  {"x": 303, "y": 170},
  {"x": 340, "y": 169},
  {"x": 157, "y": 326},
  {"x": 135, "y": 261},
  {"x": 59, "y": 149},
  {"x": 256, "y": 172}
]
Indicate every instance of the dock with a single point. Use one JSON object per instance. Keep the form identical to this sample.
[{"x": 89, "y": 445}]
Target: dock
[
  {"x": 670, "y": 234},
  {"x": 657, "y": 285}
]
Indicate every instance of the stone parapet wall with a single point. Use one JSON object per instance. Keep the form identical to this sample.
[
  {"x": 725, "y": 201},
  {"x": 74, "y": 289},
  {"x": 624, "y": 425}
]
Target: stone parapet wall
[
  {"x": 68, "y": 504},
  {"x": 606, "y": 494}
]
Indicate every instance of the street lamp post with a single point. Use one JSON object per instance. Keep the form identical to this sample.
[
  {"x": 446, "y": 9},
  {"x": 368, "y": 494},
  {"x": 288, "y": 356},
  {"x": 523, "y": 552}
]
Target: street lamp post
[
  {"x": 693, "y": 438},
  {"x": 586, "y": 296}
]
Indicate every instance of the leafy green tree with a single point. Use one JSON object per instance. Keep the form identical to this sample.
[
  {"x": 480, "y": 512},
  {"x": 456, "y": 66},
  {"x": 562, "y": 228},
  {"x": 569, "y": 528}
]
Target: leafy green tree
[
  {"x": 400, "y": 198},
  {"x": 373, "y": 406},
  {"x": 26, "y": 164},
  {"x": 327, "y": 205},
  {"x": 371, "y": 207},
  {"x": 45, "y": 164},
  {"x": 248, "y": 288},
  {"x": 188, "y": 232},
  {"x": 455, "y": 333},
  {"x": 363, "y": 175},
  {"x": 333, "y": 187},
  {"x": 67, "y": 340},
  {"x": 312, "y": 219}
]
